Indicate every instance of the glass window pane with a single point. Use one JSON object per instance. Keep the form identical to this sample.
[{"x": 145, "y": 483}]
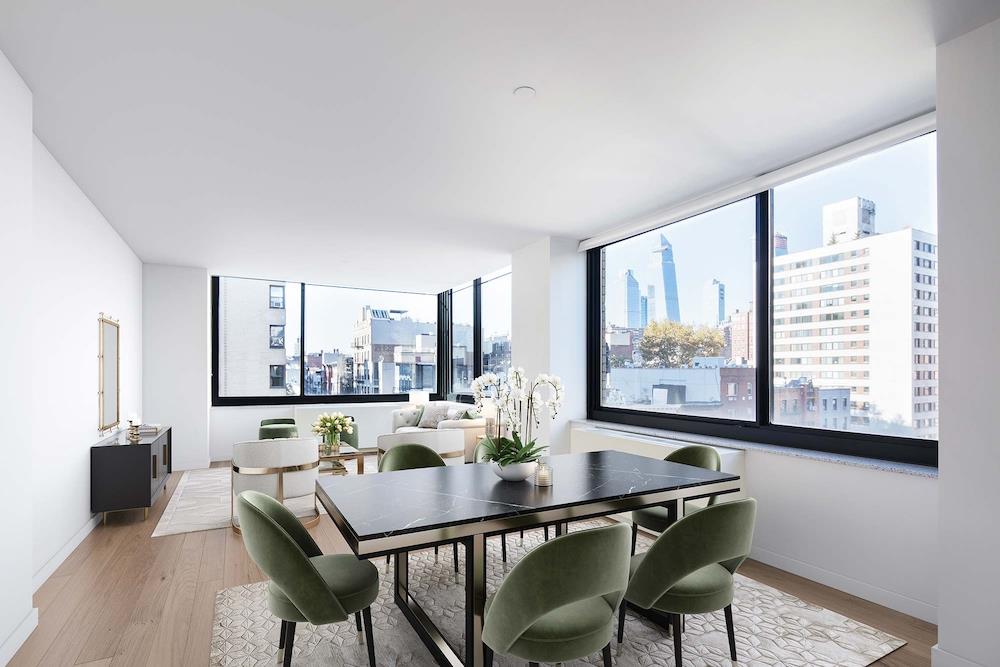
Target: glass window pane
[
  {"x": 855, "y": 295},
  {"x": 258, "y": 337},
  {"x": 462, "y": 367},
  {"x": 678, "y": 317},
  {"x": 369, "y": 341},
  {"x": 496, "y": 323}
]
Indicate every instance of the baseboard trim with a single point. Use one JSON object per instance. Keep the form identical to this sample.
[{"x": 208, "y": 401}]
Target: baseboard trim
[
  {"x": 901, "y": 603},
  {"x": 52, "y": 564},
  {"x": 18, "y": 636},
  {"x": 942, "y": 658}
]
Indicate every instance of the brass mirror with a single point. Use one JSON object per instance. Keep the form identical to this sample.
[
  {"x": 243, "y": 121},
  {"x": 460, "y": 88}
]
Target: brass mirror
[{"x": 107, "y": 360}]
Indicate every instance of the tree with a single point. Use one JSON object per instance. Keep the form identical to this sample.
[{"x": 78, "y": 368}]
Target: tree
[{"x": 667, "y": 344}]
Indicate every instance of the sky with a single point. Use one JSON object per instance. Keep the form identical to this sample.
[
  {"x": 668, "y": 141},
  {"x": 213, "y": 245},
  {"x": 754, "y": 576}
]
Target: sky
[{"x": 719, "y": 244}]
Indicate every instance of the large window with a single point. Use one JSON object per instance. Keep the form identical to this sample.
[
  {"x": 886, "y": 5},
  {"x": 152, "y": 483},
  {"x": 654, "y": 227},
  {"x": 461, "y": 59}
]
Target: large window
[
  {"x": 495, "y": 300},
  {"x": 357, "y": 344},
  {"x": 677, "y": 310},
  {"x": 480, "y": 329},
  {"x": 462, "y": 338},
  {"x": 804, "y": 316},
  {"x": 254, "y": 337},
  {"x": 854, "y": 338}
]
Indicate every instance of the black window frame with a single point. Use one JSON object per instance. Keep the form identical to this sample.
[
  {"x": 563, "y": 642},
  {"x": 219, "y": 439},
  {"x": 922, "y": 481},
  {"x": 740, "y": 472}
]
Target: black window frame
[
  {"x": 443, "y": 351},
  {"x": 270, "y": 297},
  {"x": 760, "y": 430}
]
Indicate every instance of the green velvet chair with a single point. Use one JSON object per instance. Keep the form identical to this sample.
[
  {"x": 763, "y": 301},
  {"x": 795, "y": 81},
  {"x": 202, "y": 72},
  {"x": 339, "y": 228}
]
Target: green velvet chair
[
  {"x": 281, "y": 427},
  {"x": 408, "y": 457},
  {"x": 690, "y": 567},
  {"x": 558, "y": 603},
  {"x": 306, "y": 585},
  {"x": 659, "y": 518}
]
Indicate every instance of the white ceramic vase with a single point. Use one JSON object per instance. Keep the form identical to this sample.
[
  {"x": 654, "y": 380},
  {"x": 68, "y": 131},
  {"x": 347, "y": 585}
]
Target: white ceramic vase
[{"x": 515, "y": 472}]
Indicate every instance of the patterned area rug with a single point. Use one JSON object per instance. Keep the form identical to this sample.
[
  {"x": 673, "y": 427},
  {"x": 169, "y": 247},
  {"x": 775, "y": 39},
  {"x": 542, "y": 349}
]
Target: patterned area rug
[
  {"x": 201, "y": 502},
  {"x": 772, "y": 627}
]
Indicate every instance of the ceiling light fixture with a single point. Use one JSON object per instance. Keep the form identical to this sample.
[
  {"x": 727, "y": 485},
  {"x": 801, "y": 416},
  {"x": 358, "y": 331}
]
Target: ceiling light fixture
[{"x": 524, "y": 92}]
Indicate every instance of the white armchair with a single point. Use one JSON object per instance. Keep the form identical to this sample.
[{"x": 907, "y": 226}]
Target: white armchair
[
  {"x": 283, "y": 468},
  {"x": 440, "y": 425}
]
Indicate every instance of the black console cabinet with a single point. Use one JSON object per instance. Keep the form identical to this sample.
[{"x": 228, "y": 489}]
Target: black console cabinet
[{"x": 124, "y": 476}]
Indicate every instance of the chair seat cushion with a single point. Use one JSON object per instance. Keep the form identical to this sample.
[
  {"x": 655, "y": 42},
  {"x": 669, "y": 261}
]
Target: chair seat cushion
[
  {"x": 705, "y": 590},
  {"x": 354, "y": 582},
  {"x": 573, "y": 631}
]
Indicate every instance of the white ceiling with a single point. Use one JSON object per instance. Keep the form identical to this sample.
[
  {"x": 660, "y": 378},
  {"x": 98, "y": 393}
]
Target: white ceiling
[{"x": 378, "y": 143}]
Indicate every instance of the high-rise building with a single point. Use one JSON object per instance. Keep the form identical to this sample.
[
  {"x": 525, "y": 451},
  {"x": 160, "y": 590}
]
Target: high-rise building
[
  {"x": 651, "y": 303},
  {"x": 780, "y": 244},
  {"x": 715, "y": 297},
  {"x": 862, "y": 314},
  {"x": 633, "y": 307},
  {"x": 255, "y": 311},
  {"x": 393, "y": 353},
  {"x": 643, "y": 311},
  {"x": 847, "y": 220},
  {"x": 672, "y": 308},
  {"x": 738, "y": 333}
]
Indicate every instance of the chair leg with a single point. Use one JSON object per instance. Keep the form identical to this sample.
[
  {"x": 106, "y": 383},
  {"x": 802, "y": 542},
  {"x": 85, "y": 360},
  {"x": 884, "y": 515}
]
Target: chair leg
[
  {"x": 532, "y": 664},
  {"x": 635, "y": 536},
  {"x": 454, "y": 553},
  {"x": 621, "y": 621},
  {"x": 357, "y": 620},
  {"x": 289, "y": 642},
  {"x": 487, "y": 656},
  {"x": 369, "y": 638},
  {"x": 522, "y": 539},
  {"x": 503, "y": 547},
  {"x": 731, "y": 631},
  {"x": 676, "y": 618},
  {"x": 607, "y": 654},
  {"x": 546, "y": 533},
  {"x": 435, "y": 554}
]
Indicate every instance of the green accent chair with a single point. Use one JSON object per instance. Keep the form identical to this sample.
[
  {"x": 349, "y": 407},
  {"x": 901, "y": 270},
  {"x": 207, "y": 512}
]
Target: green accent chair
[
  {"x": 281, "y": 427},
  {"x": 306, "y": 585},
  {"x": 690, "y": 567},
  {"x": 558, "y": 603},
  {"x": 661, "y": 517},
  {"x": 350, "y": 438},
  {"x": 409, "y": 457}
]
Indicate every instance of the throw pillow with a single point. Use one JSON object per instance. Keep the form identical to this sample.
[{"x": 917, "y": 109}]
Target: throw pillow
[
  {"x": 433, "y": 415},
  {"x": 411, "y": 416},
  {"x": 456, "y": 413},
  {"x": 470, "y": 414}
]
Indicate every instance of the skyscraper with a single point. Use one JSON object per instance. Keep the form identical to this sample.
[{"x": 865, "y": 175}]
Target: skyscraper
[
  {"x": 643, "y": 311},
  {"x": 780, "y": 244},
  {"x": 633, "y": 307},
  {"x": 715, "y": 294},
  {"x": 650, "y": 303},
  {"x": 666, "y": 252}
]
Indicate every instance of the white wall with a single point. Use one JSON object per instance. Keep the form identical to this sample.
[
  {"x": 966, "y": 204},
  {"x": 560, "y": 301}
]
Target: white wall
[
  {"x": 176, "y": 358},
  {"x": 17, "y": 617},
  {"x": 82, "y": 268},
  {"x": 867, "y": 532},
  {"x": 548, "y": 322},
  {"x": 968, "y": 82}
]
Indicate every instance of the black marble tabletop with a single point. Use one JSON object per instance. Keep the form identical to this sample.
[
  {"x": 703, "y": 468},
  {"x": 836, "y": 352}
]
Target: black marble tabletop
[{"x": 406, "y": 501}]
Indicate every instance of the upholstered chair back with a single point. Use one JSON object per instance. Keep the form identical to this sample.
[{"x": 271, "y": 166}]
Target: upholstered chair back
[
  {"x": 277, "y": 453},
  {"x": 407, "y": 457}
]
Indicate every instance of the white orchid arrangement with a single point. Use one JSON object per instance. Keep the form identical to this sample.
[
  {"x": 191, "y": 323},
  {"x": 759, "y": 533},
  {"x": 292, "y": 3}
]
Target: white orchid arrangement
[
  {"x": 332, "y": 423},
  {"x": 519, "y": 403}
]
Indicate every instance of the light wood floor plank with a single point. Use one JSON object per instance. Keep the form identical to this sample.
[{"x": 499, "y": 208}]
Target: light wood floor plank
[{"x": 170, "y": 640}]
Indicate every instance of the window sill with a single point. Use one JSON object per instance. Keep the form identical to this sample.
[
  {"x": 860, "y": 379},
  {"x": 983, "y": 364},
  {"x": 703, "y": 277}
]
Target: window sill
[{"x": 826, "y": 457}]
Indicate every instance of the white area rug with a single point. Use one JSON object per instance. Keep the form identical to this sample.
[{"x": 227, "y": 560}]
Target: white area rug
[
  {"x": 201, "y": 502},
  {"x": 772, "y": 627}
]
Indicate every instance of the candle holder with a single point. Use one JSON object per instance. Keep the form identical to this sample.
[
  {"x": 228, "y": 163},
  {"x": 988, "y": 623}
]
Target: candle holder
[
  {"x": 133, "y": 433},
  {"x": 543, "y": 474}
]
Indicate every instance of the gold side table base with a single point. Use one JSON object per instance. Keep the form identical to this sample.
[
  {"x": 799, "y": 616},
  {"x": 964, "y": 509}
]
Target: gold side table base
[{"x": 104, "y": 518}]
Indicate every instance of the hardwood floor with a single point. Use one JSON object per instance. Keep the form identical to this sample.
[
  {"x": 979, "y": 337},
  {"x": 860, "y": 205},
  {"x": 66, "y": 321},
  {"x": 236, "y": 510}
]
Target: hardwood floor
[{"x": 124, "y": 598}]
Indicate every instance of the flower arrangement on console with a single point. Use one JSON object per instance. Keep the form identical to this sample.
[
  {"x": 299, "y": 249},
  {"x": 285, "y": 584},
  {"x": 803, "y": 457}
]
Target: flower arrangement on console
[
  {"x": 330, "y": 425},
  {"x": 520, "y": 406}
]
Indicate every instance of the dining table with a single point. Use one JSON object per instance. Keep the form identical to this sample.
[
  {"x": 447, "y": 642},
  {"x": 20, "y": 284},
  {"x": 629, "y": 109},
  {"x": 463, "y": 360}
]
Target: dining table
[{"x": 410, "y": 510}]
